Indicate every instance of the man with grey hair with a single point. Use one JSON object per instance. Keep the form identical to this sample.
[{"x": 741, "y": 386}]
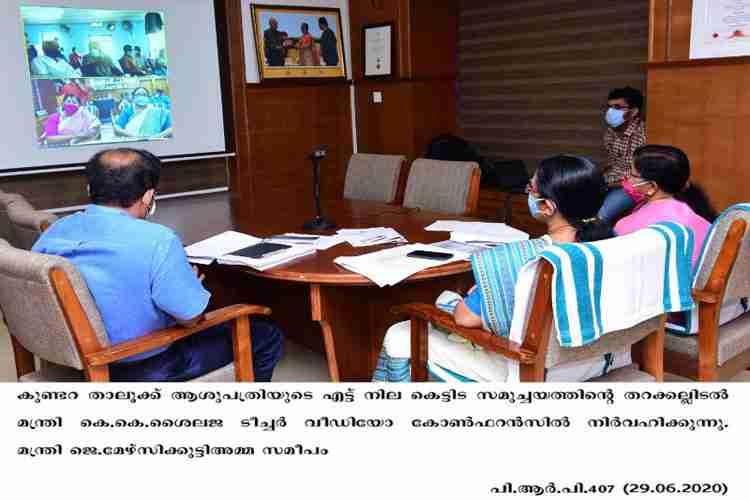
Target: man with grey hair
[{"x": 273, "y": 44}]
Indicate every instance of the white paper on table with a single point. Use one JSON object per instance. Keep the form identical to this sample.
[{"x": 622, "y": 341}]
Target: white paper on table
[
  {"x": 391, "y": 266},
  {"x": 457, "y": 246},
  {"x": 497, "y": 230},
  {"x": 371, "y": 236},
  {"x": 298, "y": 239},
  {"x": 210, "y": 249}
]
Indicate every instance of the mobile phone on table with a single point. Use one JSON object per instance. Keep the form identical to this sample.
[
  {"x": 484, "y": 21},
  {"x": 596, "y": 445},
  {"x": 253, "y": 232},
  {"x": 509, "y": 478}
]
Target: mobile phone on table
[{"x": 426, "y": 254}]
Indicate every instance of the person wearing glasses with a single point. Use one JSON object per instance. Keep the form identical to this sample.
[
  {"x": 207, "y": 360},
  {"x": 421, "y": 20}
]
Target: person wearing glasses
[
  {"x": 564, "y": 194},
  {"x": 659, "y": 186},
  {"x": 625, "y": 133}
]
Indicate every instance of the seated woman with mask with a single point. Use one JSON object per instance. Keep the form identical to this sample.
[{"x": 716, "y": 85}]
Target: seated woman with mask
[
  {"x": 659, "y": 183},
  {"x": 73, "y": 125},
  {"x": 565, "y": 193},
  {"x": 143, "y": 120}
]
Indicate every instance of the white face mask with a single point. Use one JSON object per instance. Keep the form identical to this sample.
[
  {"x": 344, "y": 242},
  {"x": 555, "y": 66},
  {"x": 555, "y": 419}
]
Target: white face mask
[{"x": 151, "y": 209}]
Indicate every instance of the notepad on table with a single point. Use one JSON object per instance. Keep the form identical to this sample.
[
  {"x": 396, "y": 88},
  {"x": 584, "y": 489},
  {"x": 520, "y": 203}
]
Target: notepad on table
[{"x": 232, "y": 247}]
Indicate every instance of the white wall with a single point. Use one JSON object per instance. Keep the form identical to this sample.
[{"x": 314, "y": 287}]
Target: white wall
[{"x": 251, "y": 58}]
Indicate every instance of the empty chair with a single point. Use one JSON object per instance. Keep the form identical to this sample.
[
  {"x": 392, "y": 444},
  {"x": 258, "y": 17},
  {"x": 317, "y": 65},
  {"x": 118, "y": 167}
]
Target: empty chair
[
  {"x": 713, "y": 342},
  {"x": 27, "y": 224},
  {"x": 373, "y": 177},
  {"x": 51, "y": 314},
  {"x": 451, "y": 187}
]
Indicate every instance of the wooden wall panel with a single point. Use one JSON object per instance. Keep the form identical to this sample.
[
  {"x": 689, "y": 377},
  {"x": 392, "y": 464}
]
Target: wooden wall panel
[
  {"x": 705, "y": 110},
  {"x": 419, "y": 102},
  {"x": 533, "y": 76},
  {"x": 285, "y": 125},
  {"x": 701, "y": 106},
  {"x": 66, "y": 189}
]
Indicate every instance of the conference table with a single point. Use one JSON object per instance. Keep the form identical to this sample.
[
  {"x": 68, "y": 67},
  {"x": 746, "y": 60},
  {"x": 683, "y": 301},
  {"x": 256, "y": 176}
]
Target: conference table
[{"x": 325, "y": 307}]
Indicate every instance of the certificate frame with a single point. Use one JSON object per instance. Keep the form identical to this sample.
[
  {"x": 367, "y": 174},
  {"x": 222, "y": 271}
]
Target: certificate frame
[
  {"x": 720, "y": 28},
  {"x": 384, "y": 69}
]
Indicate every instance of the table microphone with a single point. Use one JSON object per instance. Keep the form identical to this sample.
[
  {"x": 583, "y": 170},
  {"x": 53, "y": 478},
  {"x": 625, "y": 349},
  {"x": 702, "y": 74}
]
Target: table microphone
[{"x": 319, "y": 223}]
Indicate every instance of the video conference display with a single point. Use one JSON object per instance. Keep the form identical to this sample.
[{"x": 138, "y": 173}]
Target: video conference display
[{"x": 98, "y": 76}]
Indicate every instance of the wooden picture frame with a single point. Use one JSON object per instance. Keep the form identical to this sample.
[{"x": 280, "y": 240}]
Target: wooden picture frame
[
  {"x": 378, "y": 50},
  {"x": 295, "y": 54}
]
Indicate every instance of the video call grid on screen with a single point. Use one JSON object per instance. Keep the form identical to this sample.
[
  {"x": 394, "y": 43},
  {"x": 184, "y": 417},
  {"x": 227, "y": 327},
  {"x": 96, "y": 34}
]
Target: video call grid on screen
[{"x": 97, "y": 75}]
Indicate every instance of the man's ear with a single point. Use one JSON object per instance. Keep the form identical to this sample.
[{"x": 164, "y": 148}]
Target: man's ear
[{"x": 635, "y": 112}]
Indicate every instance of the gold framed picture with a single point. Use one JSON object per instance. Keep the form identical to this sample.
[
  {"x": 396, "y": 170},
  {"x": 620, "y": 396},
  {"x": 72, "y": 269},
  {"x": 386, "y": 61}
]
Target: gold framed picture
[{"x": 298, "y": 42}]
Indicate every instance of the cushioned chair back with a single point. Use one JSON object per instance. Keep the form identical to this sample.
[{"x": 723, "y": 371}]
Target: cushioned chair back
[
  {"x": 440, "y": 186},
  {"x": 26, "y": 225},
  {"x": 611, "y": 343},
  {"x": 373, "y": 177},
  {"x": 6, "y": 200},
  {"x": 32, "y": 311},
  {"x": 738, "y": 284}
]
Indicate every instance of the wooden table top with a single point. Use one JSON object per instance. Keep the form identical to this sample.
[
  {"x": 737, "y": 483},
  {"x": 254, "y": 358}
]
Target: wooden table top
[{"x": 347, "y": 214}]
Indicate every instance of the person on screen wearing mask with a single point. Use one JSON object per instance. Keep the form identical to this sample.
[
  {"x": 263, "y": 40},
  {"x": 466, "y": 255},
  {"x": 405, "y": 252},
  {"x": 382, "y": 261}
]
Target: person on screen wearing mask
[
  {"x": 659, "y": 185},
  {"x": 140, "y": 278},
  {"x": 52, "y": 64},
  {"x": 565, "y": 194},
  {"x": 144, "y": 120},
  {"x": 73, "y": 125},
  {"x": 97, "y": 63},
  {"x": 328, "y": 46},
  {"x": 625, "y": 133}
]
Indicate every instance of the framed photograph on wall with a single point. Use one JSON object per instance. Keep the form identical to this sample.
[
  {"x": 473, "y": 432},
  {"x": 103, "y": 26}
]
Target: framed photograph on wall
[
  {"x": 378, "y": 50},
  {"x": 298, "y": 42}
]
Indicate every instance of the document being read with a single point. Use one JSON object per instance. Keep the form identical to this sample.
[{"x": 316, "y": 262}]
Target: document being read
[
  {"x": 211, "y": 249},
  {"x": 224, "y": 247},
  {"x": 391, "y": 266}
]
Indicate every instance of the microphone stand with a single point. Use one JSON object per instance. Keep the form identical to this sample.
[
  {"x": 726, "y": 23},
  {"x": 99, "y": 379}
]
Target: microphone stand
[{"x": 319, "y": 223}]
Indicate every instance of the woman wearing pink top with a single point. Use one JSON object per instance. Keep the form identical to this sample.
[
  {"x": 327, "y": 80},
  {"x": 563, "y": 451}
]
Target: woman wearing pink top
[{"x": 659, "y": 183}]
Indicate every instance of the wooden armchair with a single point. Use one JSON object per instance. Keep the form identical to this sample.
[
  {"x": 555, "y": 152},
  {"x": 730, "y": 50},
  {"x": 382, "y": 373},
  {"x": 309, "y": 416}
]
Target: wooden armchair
[
  {"x": 717, "y": 352},
  {"x": 540, "y": 349},
  {"x": 51, "y": 314}
]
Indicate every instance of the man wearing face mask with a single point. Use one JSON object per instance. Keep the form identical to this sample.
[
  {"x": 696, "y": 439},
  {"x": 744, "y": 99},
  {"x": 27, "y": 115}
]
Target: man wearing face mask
[
  {"x": 140, "y": 278},
  {"x": 144, "y": 120},
  {"x": 625, "y": 133}
]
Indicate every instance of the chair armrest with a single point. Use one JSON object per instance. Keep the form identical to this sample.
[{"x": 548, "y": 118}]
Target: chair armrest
[
  {"x": 706, "y": 297},
  {"x": 161, "y": 338},
  {"x": 478, "y": 336}
]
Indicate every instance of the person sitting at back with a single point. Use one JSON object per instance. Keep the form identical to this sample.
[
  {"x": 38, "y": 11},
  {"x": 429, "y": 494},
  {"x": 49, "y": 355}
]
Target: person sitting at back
[
  {"x": 140, "y": 278},
  {"x": 565, "y": 193},
  {"x": 659, "y": 184}
]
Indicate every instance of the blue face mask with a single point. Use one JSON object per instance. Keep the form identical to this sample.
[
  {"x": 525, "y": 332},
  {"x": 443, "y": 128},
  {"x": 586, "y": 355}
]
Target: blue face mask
[
  {"x": 534, "y": 207},
  {"x": 615, "y": 117}
]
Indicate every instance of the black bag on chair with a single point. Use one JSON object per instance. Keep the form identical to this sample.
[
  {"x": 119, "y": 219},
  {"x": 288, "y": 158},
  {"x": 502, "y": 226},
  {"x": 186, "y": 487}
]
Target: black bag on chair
[{"x": 507, "y": 175}]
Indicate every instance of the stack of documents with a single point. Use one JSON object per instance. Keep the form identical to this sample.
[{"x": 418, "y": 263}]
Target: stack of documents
[
  {"x": 391, "y": 266},
  {"x": 319, "y": 242},
  {"x": 479, "y": 233},
  {"x": 371, "y": 236},
  {"x": 222, "y": 247}
]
